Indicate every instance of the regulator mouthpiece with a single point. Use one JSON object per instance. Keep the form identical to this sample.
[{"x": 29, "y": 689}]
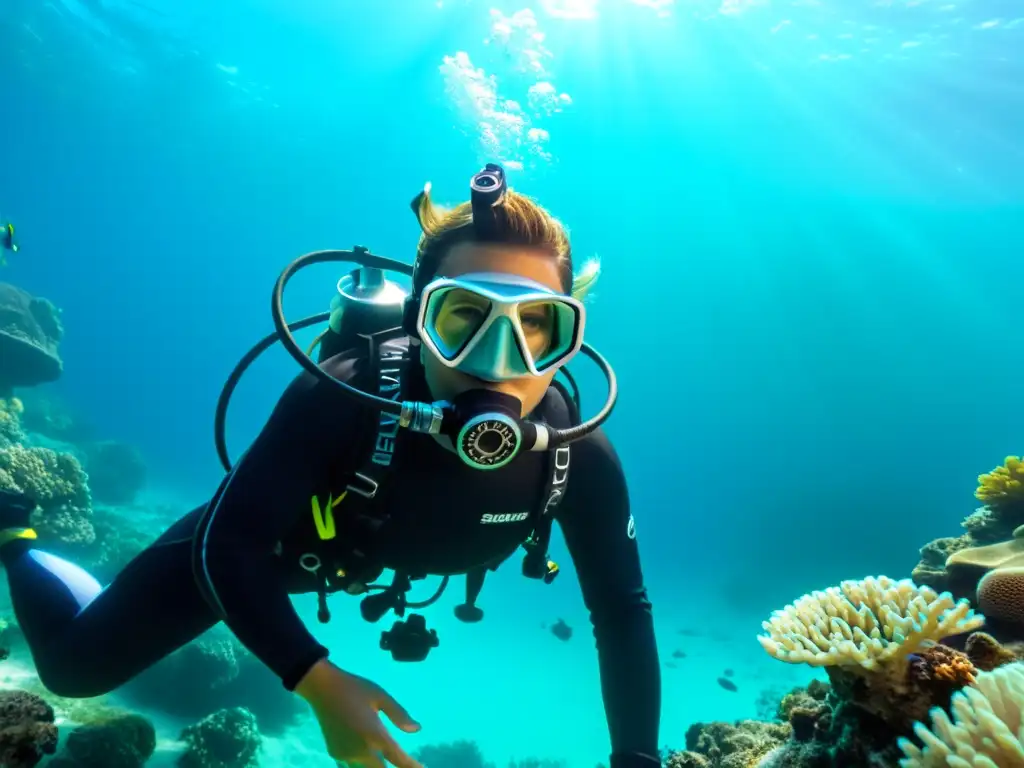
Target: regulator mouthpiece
[{"x": 485, "y": 428}]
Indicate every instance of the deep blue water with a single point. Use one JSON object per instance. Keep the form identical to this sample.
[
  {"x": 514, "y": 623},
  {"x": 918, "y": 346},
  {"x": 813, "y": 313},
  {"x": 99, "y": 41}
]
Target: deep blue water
[{"x": 809, "y": 217}]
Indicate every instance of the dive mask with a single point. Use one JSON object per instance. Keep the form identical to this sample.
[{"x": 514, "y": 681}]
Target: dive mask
[{"x": 495, "y": 326}]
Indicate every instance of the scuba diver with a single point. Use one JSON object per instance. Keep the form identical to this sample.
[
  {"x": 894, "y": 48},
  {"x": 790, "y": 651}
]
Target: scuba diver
[
  {"x": 429, "y": 439},
  {"x": 7, "y": 242}
]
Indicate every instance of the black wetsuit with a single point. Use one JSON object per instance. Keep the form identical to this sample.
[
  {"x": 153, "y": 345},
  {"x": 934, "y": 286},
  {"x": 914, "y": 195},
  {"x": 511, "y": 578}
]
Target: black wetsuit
[{"x": 236, "y": 559}]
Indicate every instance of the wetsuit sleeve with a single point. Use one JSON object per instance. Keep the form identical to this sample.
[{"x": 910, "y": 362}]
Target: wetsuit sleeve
[
  {"x": 257, "y": 503},
  {"x": 600, "y": 535}
]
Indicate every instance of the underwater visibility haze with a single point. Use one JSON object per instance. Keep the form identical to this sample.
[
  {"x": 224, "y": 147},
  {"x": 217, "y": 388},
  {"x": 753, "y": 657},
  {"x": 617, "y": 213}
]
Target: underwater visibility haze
[{"x": 809, "y": 220}]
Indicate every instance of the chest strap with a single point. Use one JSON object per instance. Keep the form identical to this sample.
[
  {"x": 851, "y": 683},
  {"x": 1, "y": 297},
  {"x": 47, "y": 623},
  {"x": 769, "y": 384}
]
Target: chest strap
[
  {"x": 388, "y": 356},
  {"x": 536, "y": 563}
]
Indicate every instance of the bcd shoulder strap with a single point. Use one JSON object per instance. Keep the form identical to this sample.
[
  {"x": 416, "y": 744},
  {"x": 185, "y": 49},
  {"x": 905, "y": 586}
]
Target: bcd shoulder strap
[{"x": 388, "y": 359}]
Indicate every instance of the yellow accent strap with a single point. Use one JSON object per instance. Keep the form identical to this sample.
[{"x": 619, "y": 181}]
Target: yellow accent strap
[
  {"x": 324, "y": 519},
  {"x": 15, "y": 534}
]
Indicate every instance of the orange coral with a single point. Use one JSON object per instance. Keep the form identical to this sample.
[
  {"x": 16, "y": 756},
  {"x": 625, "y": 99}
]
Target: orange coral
[
  {"x": 959, "y": 670},
  {"x": 941, "y": 669}
]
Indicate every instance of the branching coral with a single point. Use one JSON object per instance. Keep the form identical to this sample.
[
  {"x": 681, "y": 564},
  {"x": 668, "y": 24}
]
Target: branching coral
[
  {"x": 985, "y": 731},
  {"x": 879, "y": 642},
  {"x": 864, "y": 623},
  {"x": 58, "y": 484}
]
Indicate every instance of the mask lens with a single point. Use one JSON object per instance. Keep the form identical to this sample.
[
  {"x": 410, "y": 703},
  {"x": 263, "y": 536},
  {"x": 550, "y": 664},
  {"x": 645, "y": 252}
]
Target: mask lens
[
  {"x": 455, "y": 316},
  {"x": 540, "y": 327},
  {"x": 550, "y": 339}
]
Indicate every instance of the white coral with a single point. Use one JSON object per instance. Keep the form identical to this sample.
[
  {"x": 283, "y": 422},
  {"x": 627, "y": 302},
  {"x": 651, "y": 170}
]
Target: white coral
[
  {"x": 986, "y": 731},
  {"x": 865, "y": 623}
]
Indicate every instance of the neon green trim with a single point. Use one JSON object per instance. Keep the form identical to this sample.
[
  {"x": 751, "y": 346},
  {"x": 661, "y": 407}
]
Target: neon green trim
[{"x": 324, "y": 519}]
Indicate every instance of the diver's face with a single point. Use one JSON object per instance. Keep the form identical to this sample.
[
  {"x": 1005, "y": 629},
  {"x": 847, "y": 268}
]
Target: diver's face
[{"x": 532, "y": 263}]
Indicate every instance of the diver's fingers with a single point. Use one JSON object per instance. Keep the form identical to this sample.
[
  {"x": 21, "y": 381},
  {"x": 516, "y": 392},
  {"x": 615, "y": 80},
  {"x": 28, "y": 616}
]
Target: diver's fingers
[
  {"x": 371, "y": 759},
  {"x": 396, "y": 713},
  {"x": 394, "y": 753}
]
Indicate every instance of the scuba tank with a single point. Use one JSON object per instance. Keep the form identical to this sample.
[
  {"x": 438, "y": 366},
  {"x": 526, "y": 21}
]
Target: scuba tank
[{"x": 366, "y": 303}]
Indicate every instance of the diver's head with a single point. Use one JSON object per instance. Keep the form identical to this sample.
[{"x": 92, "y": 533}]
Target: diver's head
[{"x": 499, "y": 307}]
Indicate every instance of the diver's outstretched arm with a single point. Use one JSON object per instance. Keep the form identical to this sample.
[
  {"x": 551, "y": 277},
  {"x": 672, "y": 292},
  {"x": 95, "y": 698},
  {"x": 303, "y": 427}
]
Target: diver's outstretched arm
[
  {"x": 309, "y": 439},
  {"x": 601, "y": 537}
]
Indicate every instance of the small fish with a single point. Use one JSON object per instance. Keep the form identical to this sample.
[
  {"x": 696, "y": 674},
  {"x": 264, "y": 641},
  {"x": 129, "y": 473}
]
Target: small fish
[
  {"x": 729, "y": 685},
  {"x": 677, "y": 654},
  {"x": 561, "y": 630},
  {"x": 689, "y": 632},
  {"x": 728, "y": 673},
  {"x": 7, "y": 242},
  {"x": 7, "y": 237}
]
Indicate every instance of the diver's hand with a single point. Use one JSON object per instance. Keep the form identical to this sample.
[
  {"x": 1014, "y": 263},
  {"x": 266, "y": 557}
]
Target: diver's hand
[{"x": 347, "y": 708}]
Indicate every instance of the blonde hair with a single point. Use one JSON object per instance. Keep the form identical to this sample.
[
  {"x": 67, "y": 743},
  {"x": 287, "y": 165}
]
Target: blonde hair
[{"x": 519, "y": 221}]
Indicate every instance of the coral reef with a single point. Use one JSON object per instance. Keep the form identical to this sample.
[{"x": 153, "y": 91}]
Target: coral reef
[
  {"x": 116, "y": 471},
  {"x": 996, "y": 575},
  {"x": 986, "y": 653},
  {"x": 867, "y": 623},
  {"x": 721, "y": 745},
  {"x": 211, "y": 673},
  {"x": 455, "y": 754},
  {"x": 228, "y": 738},
  {"x": 957, "y": 564},
  {"x": 986, "y": 728},
  {"x": 30, "y": 333},
  {"x": 27, "y": 730},
  {"x": 11, "y": 432},
  {"x": 818, "y": 731},
  {"x": 1002, "y": 491},
  {"x": 878, "y": 639},
  {"x": 931, "y": 570},
  {"x": 58, "y": 485},
  {"x": 126, "y": 740},
  {"x": 55, "y": 481}
]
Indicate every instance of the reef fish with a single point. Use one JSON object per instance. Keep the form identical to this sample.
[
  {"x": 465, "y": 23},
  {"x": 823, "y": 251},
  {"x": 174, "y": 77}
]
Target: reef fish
[
  {"x": 561, "y": 630},
  {"x": 728, "y": 684}
]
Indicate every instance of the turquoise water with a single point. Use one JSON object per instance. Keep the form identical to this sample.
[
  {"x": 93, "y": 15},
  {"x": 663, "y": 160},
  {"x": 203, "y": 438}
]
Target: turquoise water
[{"x": 808, "y": 213}]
